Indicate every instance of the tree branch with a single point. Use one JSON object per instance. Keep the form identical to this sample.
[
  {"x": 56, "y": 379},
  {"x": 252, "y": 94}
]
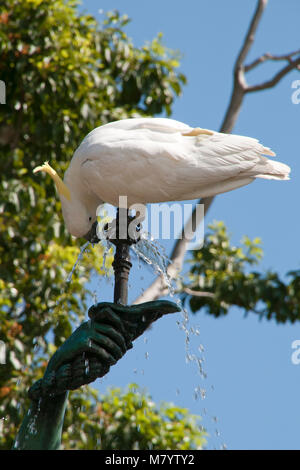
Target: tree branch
[
  {"x": 239, "y": 83},
  {"x": 294, "y": 64},
  {"x": 197, "y": 293},
  {"x": 159, "y": 288},
  {"x": 249, "y": 39},
  {"x": 269, "y": 56}
]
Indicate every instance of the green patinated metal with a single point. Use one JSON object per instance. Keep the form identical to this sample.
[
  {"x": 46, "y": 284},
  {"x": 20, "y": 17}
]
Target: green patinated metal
[{"x": 88, "y": 353}]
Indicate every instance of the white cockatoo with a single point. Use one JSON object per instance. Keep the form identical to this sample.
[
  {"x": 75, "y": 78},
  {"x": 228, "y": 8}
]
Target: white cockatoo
[{"x": 152, "y": 160}]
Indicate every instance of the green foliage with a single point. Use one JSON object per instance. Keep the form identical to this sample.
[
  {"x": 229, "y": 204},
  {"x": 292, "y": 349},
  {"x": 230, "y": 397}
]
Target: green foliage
[
  {"x": 65, "y": 74},
  {"x": 220, "y": 277},
  {"x": 129, "y": 420}
]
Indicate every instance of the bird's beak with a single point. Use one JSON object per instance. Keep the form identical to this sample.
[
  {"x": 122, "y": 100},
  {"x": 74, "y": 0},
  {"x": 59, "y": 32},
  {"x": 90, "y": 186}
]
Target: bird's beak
[{"x": 91, "y": 236}]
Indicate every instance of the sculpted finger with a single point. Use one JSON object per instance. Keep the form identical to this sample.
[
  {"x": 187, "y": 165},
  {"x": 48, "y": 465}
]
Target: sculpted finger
[
  {"x": 86, "y": 369},
  {"x": 89, "y": 346},
  {"x": 150, "y": 310},
  {"x": 162, "y": 307},
  {"x": 110, "y": 346},
  {"x": 102, "y": 354},
  {"x": 63, "y": 377},
  {"x": 111, "y": 333},
  {"x": 104, "y": 313},
  {"x": 96, "y": 369}
]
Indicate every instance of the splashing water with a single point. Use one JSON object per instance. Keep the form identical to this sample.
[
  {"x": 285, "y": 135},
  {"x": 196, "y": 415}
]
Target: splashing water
[
  {"x": 80, "y": 256},
  {"x": 105, "y": 279},
  {"x": 86, "y": 365},
  {"x": 152, "y": 253},
  {"x": 107, "y": 246},
  {"x": 199, "y": 393},
  {"x": 31, "y": 427}
]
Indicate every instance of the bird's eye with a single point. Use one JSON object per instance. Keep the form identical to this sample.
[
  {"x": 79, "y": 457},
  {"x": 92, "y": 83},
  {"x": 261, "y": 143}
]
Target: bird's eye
[{"x": 90, "y": 218}]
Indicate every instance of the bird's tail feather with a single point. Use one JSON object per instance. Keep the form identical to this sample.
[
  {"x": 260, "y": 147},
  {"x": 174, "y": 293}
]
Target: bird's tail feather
[{"x": 272, "y": 170}]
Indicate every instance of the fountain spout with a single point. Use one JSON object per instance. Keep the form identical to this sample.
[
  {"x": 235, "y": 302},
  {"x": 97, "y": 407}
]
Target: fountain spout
[{"x": 122, "y": 240}]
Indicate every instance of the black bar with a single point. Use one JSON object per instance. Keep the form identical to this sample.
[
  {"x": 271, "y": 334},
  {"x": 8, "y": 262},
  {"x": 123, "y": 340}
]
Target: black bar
[{"x": 121, "y": 263}]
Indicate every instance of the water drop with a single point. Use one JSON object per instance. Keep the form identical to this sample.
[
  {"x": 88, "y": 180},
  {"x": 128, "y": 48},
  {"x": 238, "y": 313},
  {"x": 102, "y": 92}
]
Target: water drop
[{"x": 87, "y": 367}]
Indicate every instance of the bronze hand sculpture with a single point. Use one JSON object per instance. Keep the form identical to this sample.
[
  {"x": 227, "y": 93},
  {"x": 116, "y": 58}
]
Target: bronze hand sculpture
[{"x": 87, "y": 354}]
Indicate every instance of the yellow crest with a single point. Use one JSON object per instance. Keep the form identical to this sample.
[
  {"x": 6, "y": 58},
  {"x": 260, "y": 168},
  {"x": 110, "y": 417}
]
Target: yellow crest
[{"x": 62, "y": 188}]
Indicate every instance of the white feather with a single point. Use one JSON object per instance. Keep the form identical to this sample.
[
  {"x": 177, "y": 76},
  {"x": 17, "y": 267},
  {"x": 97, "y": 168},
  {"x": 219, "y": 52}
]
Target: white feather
[{"x": 150, "y": 160}]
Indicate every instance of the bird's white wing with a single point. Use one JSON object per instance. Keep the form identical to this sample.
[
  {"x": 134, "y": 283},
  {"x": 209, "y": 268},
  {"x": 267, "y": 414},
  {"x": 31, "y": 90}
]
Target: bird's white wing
[
  {"x": 155, "y": 160},
  {"x": 161, "y": 125}
]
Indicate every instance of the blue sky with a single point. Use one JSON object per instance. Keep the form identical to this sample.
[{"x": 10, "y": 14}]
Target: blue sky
[{"x": 252, "y": 387}]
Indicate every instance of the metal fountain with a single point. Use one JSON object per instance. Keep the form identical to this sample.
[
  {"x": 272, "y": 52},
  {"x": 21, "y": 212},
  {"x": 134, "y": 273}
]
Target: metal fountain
[{"x": 93, "y": 347}]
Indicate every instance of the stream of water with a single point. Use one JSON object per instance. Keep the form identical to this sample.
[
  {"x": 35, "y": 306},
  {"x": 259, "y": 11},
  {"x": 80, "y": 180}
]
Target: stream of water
[
  {"x": 152, "y": 253},
  {"x": 149, "y": 251}
]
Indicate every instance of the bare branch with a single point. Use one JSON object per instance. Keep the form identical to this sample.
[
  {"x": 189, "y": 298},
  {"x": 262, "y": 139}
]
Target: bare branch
[
  {"x": 159, "y": 288},
  {"x": 240, "y": 84},
  {"x": 294, "y": 64},
  {"x": 269, "y": 56},
  {"x": 261, "y": 5},
  {"x": 197, "y": 293}
]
